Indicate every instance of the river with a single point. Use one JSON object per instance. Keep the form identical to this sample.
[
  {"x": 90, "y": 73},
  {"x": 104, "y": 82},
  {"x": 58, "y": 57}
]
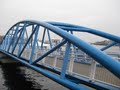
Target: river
[{"x": 17, "y": 77}]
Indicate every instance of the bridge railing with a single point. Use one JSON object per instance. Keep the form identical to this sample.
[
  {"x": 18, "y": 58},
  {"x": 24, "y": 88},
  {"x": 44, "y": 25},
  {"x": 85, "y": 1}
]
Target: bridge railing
[{"x": 82, "y": 65}]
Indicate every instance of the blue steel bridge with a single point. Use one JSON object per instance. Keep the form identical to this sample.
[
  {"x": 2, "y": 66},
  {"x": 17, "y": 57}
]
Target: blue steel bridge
[{"x": 21, "y": 44}]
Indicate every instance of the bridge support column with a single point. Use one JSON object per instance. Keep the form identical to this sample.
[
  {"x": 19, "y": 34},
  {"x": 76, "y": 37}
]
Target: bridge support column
[
  {"x": 65, "y": 61},
  {"x": 71, "y": 65},
  {"x": 92, "y": 71},
  {"x": 55, "y": 61}
]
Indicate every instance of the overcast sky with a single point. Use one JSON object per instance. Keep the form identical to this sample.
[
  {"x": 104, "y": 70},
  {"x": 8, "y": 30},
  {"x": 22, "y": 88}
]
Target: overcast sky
[{"x": 103, "y": 15}]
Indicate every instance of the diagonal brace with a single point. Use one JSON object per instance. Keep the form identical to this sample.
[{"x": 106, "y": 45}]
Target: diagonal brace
[
  {"x": 108, "y": 46},
  {"x": 27, "y": 41},
  {"x": 50, "y": 51}
]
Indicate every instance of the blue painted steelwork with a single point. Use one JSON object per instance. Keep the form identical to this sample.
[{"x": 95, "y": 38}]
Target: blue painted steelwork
[
  {"x": 22, "y": 39},
  {"x": 34, "y": 44},
  {"x": 49, "y": 39},
  {"x": 63, "y": 82},
  {"x": 16, "y": 42},
  {"x": 33, "y": 27},
  {"x": 43, "y": 38},
  {"x": 60, "y": 29},
  {"x": 27, "y": 42},
  {"x": 6, "y": 42},
  {"x": 50, "y": 51},
  {"x": 71, "y": 27},
  {"x": 65, "y": 61},
  {"x": 15, "y": 33},
  {"x": 10, "y": 39},
  {"x": 108, "y": 46},
  {"x": 15, "y": 37},
  {"x": 27, "y": 38}
]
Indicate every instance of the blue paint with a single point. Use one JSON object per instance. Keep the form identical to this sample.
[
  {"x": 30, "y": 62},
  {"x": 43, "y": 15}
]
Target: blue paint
[
  {"x": 49, "y": 38},
  {"x": 27, "y": 42},
  {"x": 60, "y": 29},
  {"x": 15, "y": 36},
  {"x": 54, "y": 77},
  {"x": 10, "y": 40},
  {"x": 108, "y": 46},
  {"x": 22, "y": 39},
  {"x": 50, "y": 51},
  {"x": 65, "y": 61},
  {"x": 27, "y": 38},
  {"x": 43, "y": 38},
  {"x": 71, "y": 27},
  {"x": 17, "y": 41},
  {"x": 34, "y": 44}
]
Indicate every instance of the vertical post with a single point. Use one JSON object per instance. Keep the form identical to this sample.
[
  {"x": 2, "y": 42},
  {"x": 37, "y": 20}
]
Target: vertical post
[
  {"x": 72, "y": 60},
  {"x": 41, "y": 47},
  {"x": 92, "y": 71},
  {"x": 32, "y": 37},
  {"x": 27, "y": 38},
  {"x": 10, "y": 40},
  {"x": 37, "y": 44},
  {"x": 22, "y": 39},
  {"x": 17, "y": 42},
  {"x": 43, "y": 38},
  {"x": 36, "y": 54},
  {"x": 49, "y": 38},
  {"x": 71, "y": 64},
  {"x": 6, "y": 40},
  {"x": 13, "y": 38},
  {"x": 3, "y": 44},
  {"x": 26, "y": 43},
  {"x": 65, "y": 61},
  {"x": 55, "y": 61},
  {"x": 26, "y": 34},
  {"x": 34, "y": 44}
]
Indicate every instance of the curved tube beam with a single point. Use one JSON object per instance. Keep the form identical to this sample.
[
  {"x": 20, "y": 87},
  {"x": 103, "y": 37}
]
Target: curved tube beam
[
  {"x": 71, "y": 27},
  {"x": 105, "y": 60}
]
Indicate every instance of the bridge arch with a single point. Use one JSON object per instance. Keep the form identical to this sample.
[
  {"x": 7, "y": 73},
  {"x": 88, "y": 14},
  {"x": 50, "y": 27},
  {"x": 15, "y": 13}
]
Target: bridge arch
[{"x": 18, "y": 30}]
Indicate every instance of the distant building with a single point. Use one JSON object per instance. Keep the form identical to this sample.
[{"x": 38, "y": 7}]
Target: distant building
[{"x": 45, "y": 46}]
